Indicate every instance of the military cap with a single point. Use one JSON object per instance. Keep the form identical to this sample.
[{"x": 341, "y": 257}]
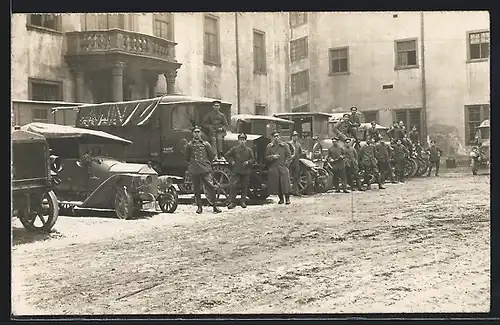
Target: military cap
[
  {"x": 373, "y": 122},
  {"x": 216, "y": 102},
  {"x": 345, "y": 115},
  {"x": 275, "y": 133},
  {"x": 196, "y": 129},
  {"x": 315, "y": 137},
  {"x": 242, "y": 136},
  {"x": 295, "y": 133},
  {"x": 335, "y": 138},
  {"x": 354, "y": 108}
]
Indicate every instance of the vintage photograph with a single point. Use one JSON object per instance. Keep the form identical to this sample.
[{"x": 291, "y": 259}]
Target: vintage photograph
[{"x": 250, "y": 163}]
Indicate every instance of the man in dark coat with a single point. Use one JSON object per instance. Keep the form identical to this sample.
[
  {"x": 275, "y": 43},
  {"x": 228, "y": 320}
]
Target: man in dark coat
[
  {"x": 342, "y": 127},
  {"x": 435, "y": 157},
  {"x": 369, "y": 163},
  {"x": 384, "y": 161},
  {"x": 241, "y": 159},
  {"x": 355, "y": 123},
  {"x": 336, "y": 158},
  {"x": 401, "y": 153},
  {"x": 215, "y": 123},
  {"x": 373, "y": 132},
  {"x": 413, "y": 135},
  {"x": 351, "y": 164},
  {"x": 295, "y": 164},
  {"x": 395, "y": 132},
  {"x": 317, "y": 148},
  {"x": 403, "y": 127},
  {"x": 200, "y": 155},
  {"x": 279, "y": 156}
]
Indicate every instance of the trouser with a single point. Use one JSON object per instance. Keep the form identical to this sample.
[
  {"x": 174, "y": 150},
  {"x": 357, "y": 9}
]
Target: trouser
[
  {"x": 400, "y": 169},
  {"x": 353, "y": 175},
  {"x": 198, "y": 181},
  {"x": 385, "y": 170},
  {"x": 339, "y": 174},
  {"x": 236, "y": 180},
  {"x": 371, "y": 169},
  {"x": 217, "y": 141},
  {"x": 295, "y": 173},
  {"x": 353, "y": 133},
  {"x": 432, "y": 164},
  {"x": 280, "y": 192}
]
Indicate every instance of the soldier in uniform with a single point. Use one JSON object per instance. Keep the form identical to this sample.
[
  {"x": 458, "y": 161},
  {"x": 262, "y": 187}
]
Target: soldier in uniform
[
  {"x": 435, "y": 157},
  {"x": 403, "y": 127},
  {"x": 395, "y": 132},
  {"x": 241, "y": 159},
  {"x": 295, "y": 164},
  {"x": 384, "y": 161},
  {"x": 317, "y": 149},
  {"x": 369, "y": 163},
  {"x": 351, "y": 164},
  {"x": 215, "y": 123},
  {"x": 355, "y": 122},
  {"x": 400, "y": 155},
  {"x": 200, "y": 155},
  {"x": 342, "y": 127},
  {"x": 413, "y": 135},
  {"x": 279, "y": 156},
  {"x": 373, "y": 132},
  {"x": 336, "y": 158}
]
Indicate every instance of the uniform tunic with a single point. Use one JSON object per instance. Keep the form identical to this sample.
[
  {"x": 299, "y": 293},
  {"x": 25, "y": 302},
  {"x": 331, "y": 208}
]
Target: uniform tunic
[
  {"x": 199, "y": 156},
  {"x": 373, "y": 133},
  {"x": 395, "y": 133},
  {"x": 414, "y": 136},
  {"x": 279, "y": 175},
  {"x": 400, "y": 154},
  {"x": 215, "y": 120},
  {"x": 238, "y": 156},
  {"x": 336, "y": 154}
]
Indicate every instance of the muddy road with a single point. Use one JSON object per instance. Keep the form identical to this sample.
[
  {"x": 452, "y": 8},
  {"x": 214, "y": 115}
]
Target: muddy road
[{"x": 419, "y": 247}]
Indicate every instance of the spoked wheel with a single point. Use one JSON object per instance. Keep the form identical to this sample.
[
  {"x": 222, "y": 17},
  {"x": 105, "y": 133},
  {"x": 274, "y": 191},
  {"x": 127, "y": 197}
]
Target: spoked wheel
[
  {"x": 257, "y": 189},
  {"x": 44, "y": 216},
  {"x": 323, "y": 181},
  {"x": 221, "y": 176},
  {"x": 306, "y": 181},
  {"x": 422, "y": 167},
  {"x": 414, "y": 168},
  {"x": 408, "y": 168},
  {"x": 169, "y": 200},
  {"x": 124, "y": 204}
]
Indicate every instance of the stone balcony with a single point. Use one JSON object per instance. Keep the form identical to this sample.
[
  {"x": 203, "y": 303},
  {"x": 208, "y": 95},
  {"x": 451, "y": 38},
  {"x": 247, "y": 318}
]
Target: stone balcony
[{"x": 99, "y": 47}]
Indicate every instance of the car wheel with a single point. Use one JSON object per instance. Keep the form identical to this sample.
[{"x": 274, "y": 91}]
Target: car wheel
[
  {"x": 46, "y": 212},
  {"x": 169, "y": 201},
  {"x": 124, "y": 204}
]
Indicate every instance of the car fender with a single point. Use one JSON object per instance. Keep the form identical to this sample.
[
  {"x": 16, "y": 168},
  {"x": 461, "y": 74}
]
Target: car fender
[{"x": 103, "y": 197}]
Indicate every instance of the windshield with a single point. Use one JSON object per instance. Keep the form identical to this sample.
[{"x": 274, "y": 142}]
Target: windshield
[{"x": 484, "y": 133}]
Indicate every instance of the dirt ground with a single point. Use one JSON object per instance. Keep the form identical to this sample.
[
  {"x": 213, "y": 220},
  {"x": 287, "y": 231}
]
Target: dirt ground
[{"x": 422, "y": 246}]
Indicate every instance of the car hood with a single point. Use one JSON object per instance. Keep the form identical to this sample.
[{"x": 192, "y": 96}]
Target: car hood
[{"x": 116, "y": 166}]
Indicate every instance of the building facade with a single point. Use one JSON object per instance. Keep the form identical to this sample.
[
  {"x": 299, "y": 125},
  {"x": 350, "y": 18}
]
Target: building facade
[{"x": 429, "y": 70}]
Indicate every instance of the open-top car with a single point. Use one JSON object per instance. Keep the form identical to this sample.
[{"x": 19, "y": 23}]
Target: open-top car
[
  {"x": 480, "y": 154},
  {"x": 91, "y": 172},
  {"x": 34, "y": 202}
]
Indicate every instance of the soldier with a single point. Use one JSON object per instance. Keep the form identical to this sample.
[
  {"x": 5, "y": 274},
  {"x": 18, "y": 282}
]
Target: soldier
[
  {"x": 402, "y": 127},
  {"x": 355, "y": 122},
  {"x": 342, "y": 127},
  {"x": 278, "y": 153},
  {"x": 351, "y": 163},
  {"x": 241, "y": 160},
  {"x": 200, "y": 155},
  {"x": 215, "y": 122},
  {"x": 435, "y": 157},
  {"x": 384, "y": 161},
  {"x": 369, "y": 163},
  {"x": 413, "y": 135},
  {"x": 400, "y": 155},
  {"x": 336, "y": 158},
  {"x": 373, "y": 132},
  {"x": 395, "y": 132},
  {"x": 317, "y": 149},
  {"x": 295, "y": 164}
]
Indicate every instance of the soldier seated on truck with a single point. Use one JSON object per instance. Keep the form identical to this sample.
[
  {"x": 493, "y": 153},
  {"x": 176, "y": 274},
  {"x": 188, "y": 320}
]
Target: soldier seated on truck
[
  {"x": 215, "y": 123},
  {"x": 342, "y": 127}
]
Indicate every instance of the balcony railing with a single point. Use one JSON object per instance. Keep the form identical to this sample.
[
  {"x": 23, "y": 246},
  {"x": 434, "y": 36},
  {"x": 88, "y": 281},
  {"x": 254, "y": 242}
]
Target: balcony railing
[{"x": 120, "y": 41}]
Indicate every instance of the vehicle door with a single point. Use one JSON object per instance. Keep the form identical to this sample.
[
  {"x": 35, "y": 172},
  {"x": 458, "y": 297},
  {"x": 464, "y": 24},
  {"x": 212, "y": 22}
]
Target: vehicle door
[{"x": 176, "y": 122}]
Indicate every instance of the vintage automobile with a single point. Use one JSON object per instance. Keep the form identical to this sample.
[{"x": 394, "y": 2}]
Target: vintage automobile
[
  {"x": 312, "y": 177},
  {"x": 91, "y": 175},
  {"x": 480, "y": 154},
  {"x": 34, "y": 201}
]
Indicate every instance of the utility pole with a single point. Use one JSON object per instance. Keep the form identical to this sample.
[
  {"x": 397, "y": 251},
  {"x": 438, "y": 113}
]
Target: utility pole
[
  {"x": 424, "y": 94},
  {"x": 237, "y": 62}
]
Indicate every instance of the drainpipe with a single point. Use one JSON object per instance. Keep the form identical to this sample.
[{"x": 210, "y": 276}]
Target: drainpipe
[
  {"x": 237, "y": 63},
  {"x": 424, "y": 95}
]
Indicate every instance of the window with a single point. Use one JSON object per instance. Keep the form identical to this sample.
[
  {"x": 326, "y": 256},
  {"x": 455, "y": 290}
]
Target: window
[
  {"x": 474, "y": 115},
  {"x": 370, "y": 116},
  {"x": 259, "y": 52},
  {"x": 260, "y": 109},
  {"x": 479, "y": 45},
  {"x": 406, "y": 54},
  {"x": 44, "y": 90},
  {"x": 40, "y": 115},
  {"x": 410, "y": 118},
  {"x": 183, "y": 117},
  {"x": 211, "y": 41},
  {"x": 104, "y": 21},
  {"x": 339, "y": 60},
  {"x": 298, "y": 18},
  {"x": 162, "y": 25},
  {"x": 49, "y": 21},
  {"x": 303, "y": 108},
  {"x": 300, "y": 82},
  {"x": 298, "y": 49}
]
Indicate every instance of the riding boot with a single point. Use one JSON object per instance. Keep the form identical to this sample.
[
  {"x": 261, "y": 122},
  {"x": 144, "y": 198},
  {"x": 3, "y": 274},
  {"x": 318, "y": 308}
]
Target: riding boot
[
  {"x": 287, "y": 198},
  {"x": 380, "y": 187},
  {"x": 280, "y": 196},
  {"x": 200, "y": 209},
  {"x": 243, "y": 199},
  {"x": 358, "y": 185}
]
